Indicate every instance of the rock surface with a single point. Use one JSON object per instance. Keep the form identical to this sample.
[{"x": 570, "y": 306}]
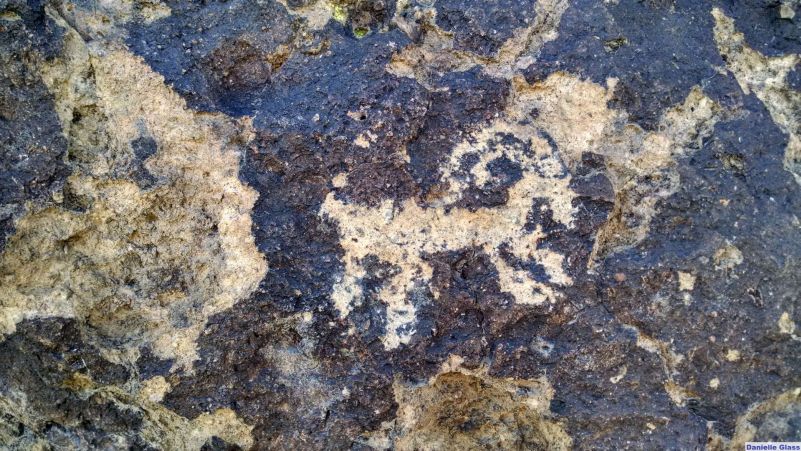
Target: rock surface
[{"x": 399, "y": 224}]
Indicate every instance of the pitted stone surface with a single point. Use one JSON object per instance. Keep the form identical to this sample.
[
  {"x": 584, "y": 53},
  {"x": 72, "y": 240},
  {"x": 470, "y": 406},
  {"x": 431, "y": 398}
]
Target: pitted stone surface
[{"x": 407, "y": 224}]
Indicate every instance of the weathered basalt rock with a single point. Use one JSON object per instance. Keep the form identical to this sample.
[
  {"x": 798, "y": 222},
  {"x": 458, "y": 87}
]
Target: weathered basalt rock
[{"x": 411, "y": 224}]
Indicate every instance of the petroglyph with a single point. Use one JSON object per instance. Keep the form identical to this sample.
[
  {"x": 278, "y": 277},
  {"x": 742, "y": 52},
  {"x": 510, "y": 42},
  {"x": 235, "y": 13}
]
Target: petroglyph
[
  {"x": 571, "y": 118},
  {"x": 454, "y": 196}
]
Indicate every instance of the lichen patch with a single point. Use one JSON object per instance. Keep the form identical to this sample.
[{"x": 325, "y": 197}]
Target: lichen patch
[
  {"x": 435, "y": 54},
  {"x": 159, "y": 427},
  {"x": 670, "y": 362},
  {"x": 642, "y": 167},
  {"x": 766, "y": 77},
  {"x": 727, "y": 257},
  {"x": 768, "y": 418},
  {"x": 686, "y": 281},
  {"x": 786, "y": 324},
  {"x": 141, "y": 266},
  {"x": 106, "y": 19},
  {"x": 317, "y": 13},
  {"x": 471, "y": 410}
]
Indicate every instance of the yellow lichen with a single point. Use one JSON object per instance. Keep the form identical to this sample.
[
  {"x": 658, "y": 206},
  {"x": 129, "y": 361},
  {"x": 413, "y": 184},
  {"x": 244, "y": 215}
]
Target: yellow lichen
[
  {"x": 732, "y": 355},
  {"x": 469, "y": 410}
]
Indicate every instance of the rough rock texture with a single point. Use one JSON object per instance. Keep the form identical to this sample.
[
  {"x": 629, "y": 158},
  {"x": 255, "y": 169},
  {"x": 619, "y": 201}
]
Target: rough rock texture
[{"x": 406, "y": 224}]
